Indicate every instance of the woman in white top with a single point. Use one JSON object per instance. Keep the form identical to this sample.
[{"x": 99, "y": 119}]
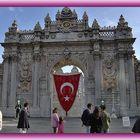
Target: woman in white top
[{"x": 55, "y": 120}]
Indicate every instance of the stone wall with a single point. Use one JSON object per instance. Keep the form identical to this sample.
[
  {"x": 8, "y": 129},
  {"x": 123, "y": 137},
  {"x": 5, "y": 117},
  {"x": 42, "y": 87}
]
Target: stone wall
[{"x": 104, "y": 54}]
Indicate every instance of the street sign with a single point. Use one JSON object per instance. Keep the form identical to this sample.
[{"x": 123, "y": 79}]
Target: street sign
[{"x": 126, "y": 121}]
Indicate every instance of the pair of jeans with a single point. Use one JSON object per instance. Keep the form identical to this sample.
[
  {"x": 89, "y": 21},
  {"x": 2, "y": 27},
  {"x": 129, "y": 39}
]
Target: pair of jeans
[{"x": 87, "y": 129}]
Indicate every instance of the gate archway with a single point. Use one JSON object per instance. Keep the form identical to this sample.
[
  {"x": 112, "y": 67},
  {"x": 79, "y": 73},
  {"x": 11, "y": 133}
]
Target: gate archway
[{"x": 79, "y": 102}]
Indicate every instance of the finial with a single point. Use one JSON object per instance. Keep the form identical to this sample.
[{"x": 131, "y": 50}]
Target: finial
[
  {"x": 37, "y": 27},
  {"x": 14, "y": 24},
  {"x": 122, "y": 22},
  {"x": 13, "y": 28},
  {"x": 95, "y": 24},
  {"x": 74, "y": 13},
  {"x": 47, "y": 18},
  {"x": 58, "y": 14},
  {"x": 85, "y": 17}
]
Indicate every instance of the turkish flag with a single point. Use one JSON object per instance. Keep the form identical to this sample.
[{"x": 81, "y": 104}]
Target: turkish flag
[{"x": 66, "y": 87}]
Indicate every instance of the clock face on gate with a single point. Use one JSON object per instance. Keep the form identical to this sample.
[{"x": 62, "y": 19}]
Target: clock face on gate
[{"x": 66, "y": 24}]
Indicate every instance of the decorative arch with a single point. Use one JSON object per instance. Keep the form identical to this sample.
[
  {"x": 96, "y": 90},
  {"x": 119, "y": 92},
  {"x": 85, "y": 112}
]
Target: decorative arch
[
  {"x": 62, "y": 61},
  {"x": 59, "y": 62}
]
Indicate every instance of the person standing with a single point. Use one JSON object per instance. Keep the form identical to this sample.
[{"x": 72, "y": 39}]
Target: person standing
[
  {"x": 55, "y": 120},
  {"x": 136, "y": 127},
  {"x": 85, "y": 117},
  {"x": 23, "y": 122},
  {"x": 18, "y": 108},
  {"x": 61, "y": 125},
  {"x": 95, "y": 121},
  {"x": 105, "y": 119}
]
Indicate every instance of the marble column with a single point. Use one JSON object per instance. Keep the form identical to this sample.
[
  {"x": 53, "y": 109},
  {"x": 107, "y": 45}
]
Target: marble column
[
  {"x": 98, "y": 79},
  {"x": 5, "y": 81},
  {"x": 132, "y": 81},
  {"x": 36, "y": 57},
  {"x": 13, "y": 83},
  {"x": 122, "y": 85},
  {"x": 90, "y": 80}
]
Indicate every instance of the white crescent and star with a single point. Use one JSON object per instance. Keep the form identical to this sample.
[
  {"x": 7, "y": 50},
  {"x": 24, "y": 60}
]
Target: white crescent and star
[
  {"x": 66, "y": 98},
  {"x": 66, "y": 84}
]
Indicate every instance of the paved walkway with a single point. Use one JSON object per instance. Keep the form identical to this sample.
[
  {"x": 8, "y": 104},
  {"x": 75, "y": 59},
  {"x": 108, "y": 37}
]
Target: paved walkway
[{"x": 72, "y": 125}]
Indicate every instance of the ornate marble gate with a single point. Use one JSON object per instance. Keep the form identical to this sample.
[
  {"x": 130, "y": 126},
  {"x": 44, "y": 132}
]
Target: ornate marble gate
[{"x": 104, "y": 54}]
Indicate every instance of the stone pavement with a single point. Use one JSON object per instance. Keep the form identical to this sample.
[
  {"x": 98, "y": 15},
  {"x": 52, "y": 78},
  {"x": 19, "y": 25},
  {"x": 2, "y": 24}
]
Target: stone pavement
[{"x": 72, "y": 125}]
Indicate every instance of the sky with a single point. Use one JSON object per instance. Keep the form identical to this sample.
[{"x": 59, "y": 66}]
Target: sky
[{"x": 27, "y": 17}]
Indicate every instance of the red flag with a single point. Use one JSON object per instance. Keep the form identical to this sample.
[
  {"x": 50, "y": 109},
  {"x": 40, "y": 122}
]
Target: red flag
[{"x": 66, "y": 87}]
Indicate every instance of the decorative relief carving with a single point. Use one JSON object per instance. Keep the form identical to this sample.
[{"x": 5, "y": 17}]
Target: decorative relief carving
[
  {"x": 96, "y": 47},
  {"x": 66, "y": 20},
  {"x": 109, "y": 72},
  {"x": 138, "y": 72},
  {"x": 14, "y": 58},
  {"x": 80, "y": 35},
  {"x": 66, "y": 26},
  {"x": 67, "y": 53},
  {"x": 91, "y": 82},
  {"x": 25, "y": 75},
  {"x": 6, "y": 57},
  {"x": 53, "y": 36},
  {"x": 37, "y": 57}
]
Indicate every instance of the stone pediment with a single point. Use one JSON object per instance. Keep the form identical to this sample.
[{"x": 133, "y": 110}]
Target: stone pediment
[{"x": 66, "y": 20}]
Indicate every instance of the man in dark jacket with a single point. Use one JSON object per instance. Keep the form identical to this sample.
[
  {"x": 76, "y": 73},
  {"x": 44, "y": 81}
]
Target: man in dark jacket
[
  {"x": 136, "y": 127},
  {"x": 23, "y": 123},
  {"x": 18, "y": 108},
  {"x": 85, "y": 117}
]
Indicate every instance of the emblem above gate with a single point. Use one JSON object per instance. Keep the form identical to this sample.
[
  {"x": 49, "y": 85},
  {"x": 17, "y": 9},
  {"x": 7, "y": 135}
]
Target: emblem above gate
[{"x": 66, "y": 20}]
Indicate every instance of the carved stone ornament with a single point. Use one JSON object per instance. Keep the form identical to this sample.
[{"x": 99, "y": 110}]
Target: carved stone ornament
[
  {"x": 53, "y": 36},
  {"x": 109, "y": 72},
  {"x": 65, "y": 26},
  {"x": 14, "y": 58},
  {"x": 67, "y": 53},
  {"x": 138, "y": 73},
  {"x": 37, "y": 57},
  {"x": 25, "y": 76},
  {"x": 80, "y": 35},
  {"x": 66, "y": 20}
]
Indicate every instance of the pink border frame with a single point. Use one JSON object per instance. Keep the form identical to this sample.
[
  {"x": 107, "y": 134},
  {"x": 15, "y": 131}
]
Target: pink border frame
[
  {"x": 77, "y": 3},
  {"x": 43, "y": 136}
]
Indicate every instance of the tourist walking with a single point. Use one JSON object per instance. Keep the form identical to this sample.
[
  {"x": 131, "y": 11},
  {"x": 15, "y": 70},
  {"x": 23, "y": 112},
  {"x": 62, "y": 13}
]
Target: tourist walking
[
  {"x": 23, "y": 122},
  {"x": 85, "y": 117},
  {"x": 55, "y": 120},
  {"x": 105, "y": 119},
  {"x": 61, "y": 125},
  {"x": 95, "y": 121},
  {"x": 18, "y": 108},
  {"x": 136, "y": 127}
]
